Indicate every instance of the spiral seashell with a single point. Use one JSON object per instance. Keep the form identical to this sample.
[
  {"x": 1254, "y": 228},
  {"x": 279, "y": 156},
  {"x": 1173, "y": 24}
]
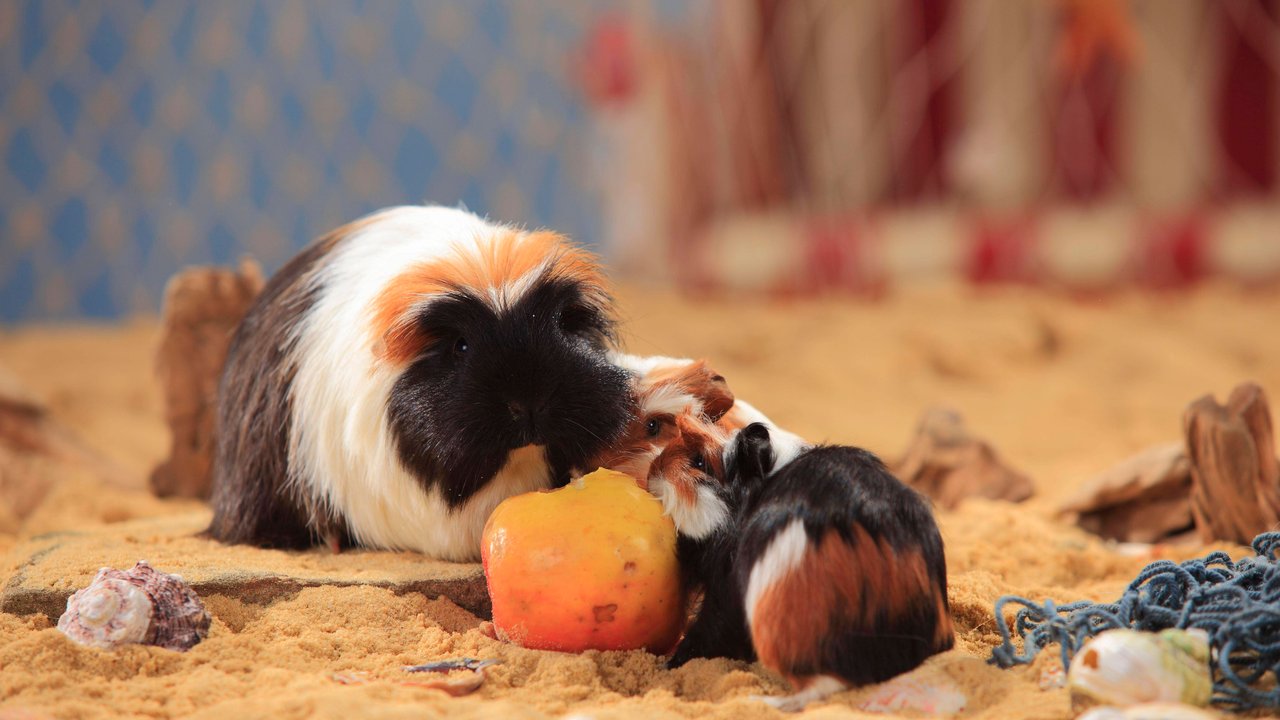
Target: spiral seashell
[
  {"x": 140, "y": 605},
  {"x": 1127, "y": 667}
]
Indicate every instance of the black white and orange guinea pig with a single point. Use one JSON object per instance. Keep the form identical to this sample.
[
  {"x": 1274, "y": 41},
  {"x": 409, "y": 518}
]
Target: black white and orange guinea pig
[
  {"x": 822, "y": 565},
  {"x": 403, "y": 375}
]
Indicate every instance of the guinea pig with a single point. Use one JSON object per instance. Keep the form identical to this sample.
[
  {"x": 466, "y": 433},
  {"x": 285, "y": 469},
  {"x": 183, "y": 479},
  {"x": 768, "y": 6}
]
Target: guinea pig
[
  {"x": 403, "y": 375},
  {"x": 824, "y": 566},
  {"x": 662, "y": 388}
]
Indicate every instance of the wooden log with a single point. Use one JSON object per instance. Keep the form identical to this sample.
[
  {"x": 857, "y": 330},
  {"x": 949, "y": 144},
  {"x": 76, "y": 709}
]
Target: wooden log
[
  {"x": 947, "y": 463},
  {"x": 202, "y": 307},
  {"x": 1235, "y": 489}
]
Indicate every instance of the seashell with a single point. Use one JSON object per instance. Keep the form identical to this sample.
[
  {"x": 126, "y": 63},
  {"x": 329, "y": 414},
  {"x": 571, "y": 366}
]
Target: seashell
[
  {"x": 1127, "y": 667},
  {"x": 926, "y": 691},
  {"x": 1149, "y": 711},
  {"x": 141, "y": 605}
]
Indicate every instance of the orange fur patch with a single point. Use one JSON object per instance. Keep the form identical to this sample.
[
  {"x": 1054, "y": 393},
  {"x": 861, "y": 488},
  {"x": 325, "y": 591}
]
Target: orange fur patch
[
  {"x": 835, "y": 581},
  {"x": 944, "y": 635},
  {"x": 490, "y": 265}
]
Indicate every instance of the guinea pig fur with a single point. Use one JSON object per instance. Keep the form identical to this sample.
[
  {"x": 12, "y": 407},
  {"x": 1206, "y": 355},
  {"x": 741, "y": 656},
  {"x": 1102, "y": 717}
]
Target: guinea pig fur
[
  {"x": 403, "y": 375},
  {"x": 662, "y": 388},
  {"x": 827, "y": 569}
]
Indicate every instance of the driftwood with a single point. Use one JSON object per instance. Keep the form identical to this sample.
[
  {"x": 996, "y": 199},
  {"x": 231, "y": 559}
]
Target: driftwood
[
  {"x": 36, "y": 451},
  {"x": 21, "y": 414},
  {"x": 1143, "y": 499},
  {"x": 24, "y": 435},
  {"x": 202, "y": 307},
  {"x": 1222, "y": 480},
  {"x": 947, "y": 463},
  {"x": 1235, "y": 490}
]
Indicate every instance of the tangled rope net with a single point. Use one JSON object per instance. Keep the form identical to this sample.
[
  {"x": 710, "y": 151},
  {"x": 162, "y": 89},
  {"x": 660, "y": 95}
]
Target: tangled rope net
[{"x": 1237, "y": 603}]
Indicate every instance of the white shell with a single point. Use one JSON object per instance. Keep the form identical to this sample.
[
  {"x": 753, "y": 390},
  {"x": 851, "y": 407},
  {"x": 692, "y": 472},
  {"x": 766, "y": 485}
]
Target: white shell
[
  {"x": 1127, "y": 667},
  {"x": 109, "y": 612},
  {"x": 139, "y": 605}
]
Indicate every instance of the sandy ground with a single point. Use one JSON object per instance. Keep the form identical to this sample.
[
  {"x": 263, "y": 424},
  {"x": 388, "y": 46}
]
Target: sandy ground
[{"x": 1063, "y": 388}]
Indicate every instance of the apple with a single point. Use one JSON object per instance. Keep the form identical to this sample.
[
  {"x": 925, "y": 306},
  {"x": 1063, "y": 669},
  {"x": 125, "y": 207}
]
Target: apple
[{"x": 591, "y": 565}]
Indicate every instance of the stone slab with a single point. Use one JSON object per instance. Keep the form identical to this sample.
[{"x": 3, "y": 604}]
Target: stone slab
[{"x": 51, "y": 567}]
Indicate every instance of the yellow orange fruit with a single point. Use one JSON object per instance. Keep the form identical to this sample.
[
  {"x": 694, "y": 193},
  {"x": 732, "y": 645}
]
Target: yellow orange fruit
[{"x": 588, "y": 566}]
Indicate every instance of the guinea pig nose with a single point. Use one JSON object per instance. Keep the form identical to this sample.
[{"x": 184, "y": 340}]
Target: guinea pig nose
[{"x": 519, "y": 411}]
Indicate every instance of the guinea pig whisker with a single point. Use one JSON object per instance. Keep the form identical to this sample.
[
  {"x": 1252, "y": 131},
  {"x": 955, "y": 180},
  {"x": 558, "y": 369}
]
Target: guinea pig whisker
[{"x": 585, "y": 429}]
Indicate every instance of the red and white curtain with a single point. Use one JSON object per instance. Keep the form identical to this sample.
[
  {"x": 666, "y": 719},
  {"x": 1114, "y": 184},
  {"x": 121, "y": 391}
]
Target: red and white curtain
[{"x": 813, "y": 145}]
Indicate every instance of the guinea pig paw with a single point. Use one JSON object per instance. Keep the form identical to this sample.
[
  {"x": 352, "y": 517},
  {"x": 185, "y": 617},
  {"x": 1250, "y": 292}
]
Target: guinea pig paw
[
  {"x": 819, "y": 688},
  {"x": 785, "y": 703},
  {"x": 678, "y": 660},
  {"x": 685, "y": 653},
  {"x": 489, "y": 630}
]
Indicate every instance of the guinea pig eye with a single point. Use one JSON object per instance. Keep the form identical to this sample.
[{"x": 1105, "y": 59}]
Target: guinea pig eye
[
  {"x": 652, "y": 427},
  {"x": 698, "y": 462},
  {"x": 460, "y": 346},
  {"x": 575, "y": 319}
]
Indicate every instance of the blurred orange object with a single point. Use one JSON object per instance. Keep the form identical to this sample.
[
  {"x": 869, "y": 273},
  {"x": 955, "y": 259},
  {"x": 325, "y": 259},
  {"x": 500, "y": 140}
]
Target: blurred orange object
[{"x": 1093, "y": 28}]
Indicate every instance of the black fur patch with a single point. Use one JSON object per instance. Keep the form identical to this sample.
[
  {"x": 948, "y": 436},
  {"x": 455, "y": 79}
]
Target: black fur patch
[
  {"x": 251, "y": 499},
  {"x": 833, "y": 487},
  {"x": 720, "y": 628},
  {"x": 492, "y": 382}
]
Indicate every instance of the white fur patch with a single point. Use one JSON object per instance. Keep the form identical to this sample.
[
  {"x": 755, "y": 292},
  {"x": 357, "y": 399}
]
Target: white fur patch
[
  {"x": 821, "y": 687},
  {"x": 786, "y": 445},
  {"x": 697, "y": 521},
  {"x": 669, "y": 399},
  {"x": 784, "y": 554},
  {"x": 642, "y": 365},
  {"x": 342, "y": 449}
]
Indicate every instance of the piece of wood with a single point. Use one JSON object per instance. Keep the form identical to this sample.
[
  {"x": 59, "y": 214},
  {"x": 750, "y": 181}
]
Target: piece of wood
[
  {"x": 36, "y": 451},
  {"x": 1145, "y": 498},
  {"x": 24, "y": 443},
  {"x": 947, "y": 463},
  {"x": 202, "y": 307},
  {"x": 1235, "y": 489}
]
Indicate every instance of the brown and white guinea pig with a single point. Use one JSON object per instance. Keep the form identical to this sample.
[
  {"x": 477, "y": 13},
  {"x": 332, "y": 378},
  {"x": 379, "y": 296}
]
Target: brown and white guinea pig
[
  {"x": 822, "y": 565},
  {"x": 664, "y": 388},
  {"x": 403, "y": 375}
]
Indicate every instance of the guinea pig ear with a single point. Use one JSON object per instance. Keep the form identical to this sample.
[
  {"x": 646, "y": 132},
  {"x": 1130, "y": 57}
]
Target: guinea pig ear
[
  {"x": 710, "y": 388},
  {"x": 752, "y": 458}
]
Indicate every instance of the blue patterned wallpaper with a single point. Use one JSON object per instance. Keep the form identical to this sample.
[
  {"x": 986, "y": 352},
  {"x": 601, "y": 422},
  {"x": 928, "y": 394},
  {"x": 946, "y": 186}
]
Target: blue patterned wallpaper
[{"x": 138, "y": 137}]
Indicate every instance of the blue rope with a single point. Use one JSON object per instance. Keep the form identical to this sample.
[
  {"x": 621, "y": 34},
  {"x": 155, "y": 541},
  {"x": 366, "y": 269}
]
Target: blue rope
[{"x": 1237, "y": 603}]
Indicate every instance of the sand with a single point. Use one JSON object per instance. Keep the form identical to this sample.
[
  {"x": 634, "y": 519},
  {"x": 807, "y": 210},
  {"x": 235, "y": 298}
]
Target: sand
[{"x": 1062, "y": 387}]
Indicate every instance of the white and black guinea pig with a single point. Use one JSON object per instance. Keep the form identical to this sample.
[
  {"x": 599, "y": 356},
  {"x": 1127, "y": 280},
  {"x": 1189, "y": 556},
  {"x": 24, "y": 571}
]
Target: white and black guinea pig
[
  {"x": 403, "y": 375},
  {"x": 827, "y": 569}
]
